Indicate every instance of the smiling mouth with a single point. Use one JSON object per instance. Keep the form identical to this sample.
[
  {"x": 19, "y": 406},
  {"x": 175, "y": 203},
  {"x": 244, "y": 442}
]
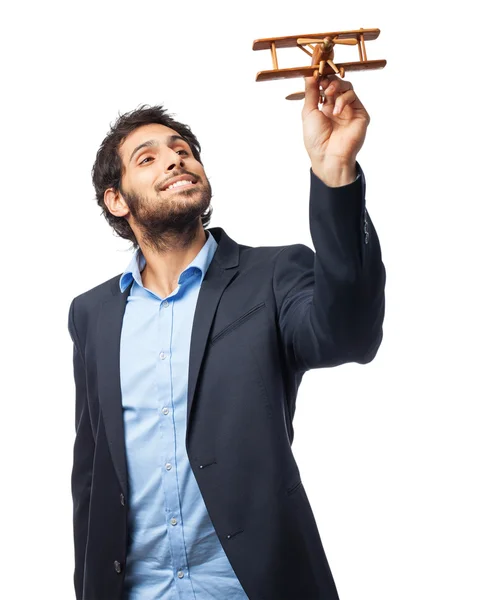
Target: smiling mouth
[{"x": 182, "y": 184}]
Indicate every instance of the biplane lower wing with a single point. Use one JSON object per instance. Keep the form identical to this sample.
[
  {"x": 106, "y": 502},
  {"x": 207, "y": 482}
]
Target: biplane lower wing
[{"x": 365, "y": 65}]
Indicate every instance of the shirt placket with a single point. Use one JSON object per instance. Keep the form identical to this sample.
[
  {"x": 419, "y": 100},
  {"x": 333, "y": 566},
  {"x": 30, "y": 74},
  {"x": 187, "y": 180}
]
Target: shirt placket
[{"x": 169, "y": 462}]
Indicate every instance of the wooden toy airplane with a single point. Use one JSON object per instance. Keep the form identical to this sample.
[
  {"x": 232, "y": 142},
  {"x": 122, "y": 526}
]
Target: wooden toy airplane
[{"x": 321, "y": 52}]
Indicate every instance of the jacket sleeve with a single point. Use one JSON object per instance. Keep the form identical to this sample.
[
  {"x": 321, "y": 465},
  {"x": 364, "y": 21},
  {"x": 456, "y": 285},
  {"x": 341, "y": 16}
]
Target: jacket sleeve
[
  {"x": 83, "y": 453},
  {"x": 330, "y": 302}
]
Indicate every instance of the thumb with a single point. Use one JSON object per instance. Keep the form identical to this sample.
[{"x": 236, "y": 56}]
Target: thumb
[{"x": 311, "y": 94}]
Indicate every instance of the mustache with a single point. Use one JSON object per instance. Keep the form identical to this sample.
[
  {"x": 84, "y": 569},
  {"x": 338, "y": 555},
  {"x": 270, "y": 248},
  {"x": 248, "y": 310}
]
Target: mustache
[{"x": 174, "y": 174}]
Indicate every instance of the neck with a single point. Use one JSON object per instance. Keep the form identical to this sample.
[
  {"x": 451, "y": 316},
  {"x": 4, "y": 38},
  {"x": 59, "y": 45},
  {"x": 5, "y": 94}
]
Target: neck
[{"x": 164, "y": 266}]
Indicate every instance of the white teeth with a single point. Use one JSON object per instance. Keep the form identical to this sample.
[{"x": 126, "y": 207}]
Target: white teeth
[{"x": 179, "y": 183}]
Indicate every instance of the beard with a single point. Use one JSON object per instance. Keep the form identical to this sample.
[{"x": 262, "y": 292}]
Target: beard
[{"x": 171, "y": 222}]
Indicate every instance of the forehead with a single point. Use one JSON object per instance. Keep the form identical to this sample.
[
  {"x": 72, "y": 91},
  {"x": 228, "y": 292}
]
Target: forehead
[{"x": 152, "y": 131}]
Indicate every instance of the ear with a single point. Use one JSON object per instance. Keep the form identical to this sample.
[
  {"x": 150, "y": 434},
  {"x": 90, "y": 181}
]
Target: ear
[{"x": 115, "y": 203}]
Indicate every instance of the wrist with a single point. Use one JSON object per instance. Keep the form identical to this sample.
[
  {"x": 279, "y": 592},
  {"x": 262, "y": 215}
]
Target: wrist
[{"x": 334, "y": 174}]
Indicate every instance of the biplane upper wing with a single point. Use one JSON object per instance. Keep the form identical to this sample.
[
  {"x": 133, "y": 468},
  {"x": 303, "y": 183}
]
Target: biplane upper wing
[{"x": 290, "y": 41}]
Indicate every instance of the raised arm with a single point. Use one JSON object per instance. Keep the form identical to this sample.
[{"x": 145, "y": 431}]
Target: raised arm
[{"x": 331, "y": 301}]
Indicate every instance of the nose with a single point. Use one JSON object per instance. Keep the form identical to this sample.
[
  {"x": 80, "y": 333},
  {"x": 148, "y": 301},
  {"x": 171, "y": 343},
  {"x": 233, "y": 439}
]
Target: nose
[{"x": 174, "y": 161}]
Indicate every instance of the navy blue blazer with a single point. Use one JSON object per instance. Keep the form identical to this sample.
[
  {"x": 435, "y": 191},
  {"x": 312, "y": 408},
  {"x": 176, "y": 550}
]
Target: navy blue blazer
[{"x": 264, "y": 317}]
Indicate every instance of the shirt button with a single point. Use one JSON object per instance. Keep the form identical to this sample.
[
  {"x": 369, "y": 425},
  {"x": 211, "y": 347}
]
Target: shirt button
[
  {"x": 181, "y": 574},
  {"x": 162, "y": 355},
  {"x": 173, "y": 521},
  {"x": 122, "y": 499},
  {"x": 168, "y": 467},
  {"x": 165, "y": 411},
  {"x": 166, "y": 304},
  {"x": 117, "y": 566}
]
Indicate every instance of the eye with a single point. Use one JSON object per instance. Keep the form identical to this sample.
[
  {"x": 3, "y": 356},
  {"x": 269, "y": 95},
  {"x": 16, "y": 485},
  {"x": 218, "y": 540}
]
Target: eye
[
  {"x": 184, "y": 152},
  {"x": 146, "y": 159}
]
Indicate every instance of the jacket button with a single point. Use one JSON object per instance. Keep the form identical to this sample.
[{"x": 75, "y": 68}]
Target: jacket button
[
  {"x": 122, "y": 499},
  {"x": 117, "y": 566},
  {"x": 366, "y": 231}
]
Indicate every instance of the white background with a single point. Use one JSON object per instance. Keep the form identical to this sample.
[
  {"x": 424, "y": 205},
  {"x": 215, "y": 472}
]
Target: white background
[{"x": 388, "y": 452}]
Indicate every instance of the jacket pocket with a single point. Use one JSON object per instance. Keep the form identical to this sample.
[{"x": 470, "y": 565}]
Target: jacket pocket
[
  {"x": 294, "y": 488},
  {"x": 237, "y": 322}
]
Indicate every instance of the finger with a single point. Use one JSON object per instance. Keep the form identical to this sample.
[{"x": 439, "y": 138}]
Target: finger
[
  {"x": 343, "y": 100},
  {"x": 333, "y": 84},
  {"x": 311, "y": 94}
]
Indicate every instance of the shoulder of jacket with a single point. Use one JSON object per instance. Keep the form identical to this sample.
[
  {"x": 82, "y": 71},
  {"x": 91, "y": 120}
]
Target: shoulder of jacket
[
  {"x": 273, "y": 252},
  {"x": 87, "y": 302},
  {"x": 102, "y": 291}
]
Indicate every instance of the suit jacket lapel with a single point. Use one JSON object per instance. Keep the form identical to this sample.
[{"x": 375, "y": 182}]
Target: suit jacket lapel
[
  {"x": 109, "y": 386},
  {"x": 212, "y": 288},
  {"x": 222, "y": 270}
]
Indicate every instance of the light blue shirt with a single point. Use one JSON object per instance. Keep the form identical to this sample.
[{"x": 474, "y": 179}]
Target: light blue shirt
[{"x": 174, "y": 551}]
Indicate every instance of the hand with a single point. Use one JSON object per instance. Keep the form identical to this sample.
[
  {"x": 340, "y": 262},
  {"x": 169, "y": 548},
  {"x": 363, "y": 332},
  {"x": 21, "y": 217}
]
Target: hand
[{"x": 334, "y": 135}]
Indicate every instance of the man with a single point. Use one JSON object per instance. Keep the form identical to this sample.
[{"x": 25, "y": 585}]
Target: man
[{"x": 187, "y": 368}]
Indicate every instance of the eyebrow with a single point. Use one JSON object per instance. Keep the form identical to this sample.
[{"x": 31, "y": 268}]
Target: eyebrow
[{"x": 153, "y": 143}]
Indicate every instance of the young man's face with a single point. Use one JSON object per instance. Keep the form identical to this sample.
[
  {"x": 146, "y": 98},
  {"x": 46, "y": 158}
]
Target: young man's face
[{"x": 164, "y": 186}]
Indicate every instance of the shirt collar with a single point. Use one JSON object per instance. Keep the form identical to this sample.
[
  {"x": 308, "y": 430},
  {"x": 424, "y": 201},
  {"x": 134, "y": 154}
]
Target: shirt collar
[{"x": 200, "y": 263}]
